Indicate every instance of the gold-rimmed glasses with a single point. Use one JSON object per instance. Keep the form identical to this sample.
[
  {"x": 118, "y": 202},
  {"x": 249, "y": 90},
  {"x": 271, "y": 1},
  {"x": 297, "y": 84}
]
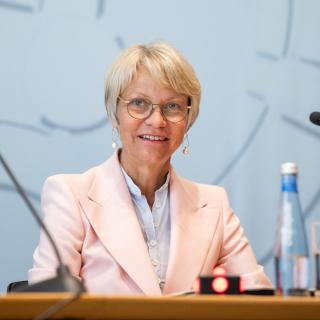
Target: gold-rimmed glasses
[{"x": 142, "y": 108}]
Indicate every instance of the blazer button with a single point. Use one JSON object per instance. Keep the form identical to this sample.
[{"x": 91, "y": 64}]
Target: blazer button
[
  {"x": 152, "y": 243},
  {"x": 155, "y": 262},
  {"x": 161, "y": 283},
  {"x": 158, "y": 204}
]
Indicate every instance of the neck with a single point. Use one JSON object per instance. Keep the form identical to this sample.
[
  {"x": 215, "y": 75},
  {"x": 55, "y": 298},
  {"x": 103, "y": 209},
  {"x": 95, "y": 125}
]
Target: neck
[{"x": 148, "y": 177}]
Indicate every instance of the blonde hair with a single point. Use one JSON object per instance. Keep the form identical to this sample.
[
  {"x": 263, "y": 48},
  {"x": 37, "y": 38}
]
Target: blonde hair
[{"x": 165, "y": 64}]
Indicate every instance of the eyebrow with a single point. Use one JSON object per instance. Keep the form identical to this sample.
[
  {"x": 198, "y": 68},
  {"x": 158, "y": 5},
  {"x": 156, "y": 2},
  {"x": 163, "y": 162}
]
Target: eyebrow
[{"x": 149, "y": 98}]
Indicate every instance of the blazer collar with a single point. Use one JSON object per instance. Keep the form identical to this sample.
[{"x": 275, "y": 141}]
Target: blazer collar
[
  {"x": 111, "y": 213},
  {"x": 193, "y": 222}
]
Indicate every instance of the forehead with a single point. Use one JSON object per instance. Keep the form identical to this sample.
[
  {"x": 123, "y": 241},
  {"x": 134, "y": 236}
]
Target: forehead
[{"x": 146, "y": 84}]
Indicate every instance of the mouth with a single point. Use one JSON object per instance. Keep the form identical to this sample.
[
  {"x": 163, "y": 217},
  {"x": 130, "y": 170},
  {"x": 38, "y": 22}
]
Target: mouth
[{"x": 150, "y": 137}]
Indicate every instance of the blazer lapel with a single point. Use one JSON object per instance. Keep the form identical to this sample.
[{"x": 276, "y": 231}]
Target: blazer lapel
[
  {"x": 193, "y": 221},
  {"x": 110, "y": 211}
]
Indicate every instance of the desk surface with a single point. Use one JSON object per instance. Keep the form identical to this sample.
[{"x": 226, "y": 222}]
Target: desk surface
[{"x": 27, "y": 306}]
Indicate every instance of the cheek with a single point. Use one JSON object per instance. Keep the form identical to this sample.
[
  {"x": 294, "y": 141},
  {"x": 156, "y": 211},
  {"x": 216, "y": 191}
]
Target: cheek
[
  {"x": 128, "y": 129},
  {"x": 125, "y": 134},
  {"x": 123, "y": 124},
  {"x": 179, "y": 134}
]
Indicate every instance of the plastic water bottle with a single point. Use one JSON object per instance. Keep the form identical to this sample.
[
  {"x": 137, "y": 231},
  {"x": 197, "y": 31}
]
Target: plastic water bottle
[{"x": 291, "y": 249}]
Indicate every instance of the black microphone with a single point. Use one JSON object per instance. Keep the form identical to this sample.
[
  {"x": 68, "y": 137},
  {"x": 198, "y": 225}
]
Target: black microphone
[
  {"x": 315, "y": 118},
  {"x": 63, "y": 281}
]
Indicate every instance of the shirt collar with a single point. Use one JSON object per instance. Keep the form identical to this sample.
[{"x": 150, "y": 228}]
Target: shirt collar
[{"x": 135, "y": 190}]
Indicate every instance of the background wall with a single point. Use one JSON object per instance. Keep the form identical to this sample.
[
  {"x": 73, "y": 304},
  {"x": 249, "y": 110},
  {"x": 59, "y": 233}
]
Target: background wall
[{"x": 259, "y": 65}]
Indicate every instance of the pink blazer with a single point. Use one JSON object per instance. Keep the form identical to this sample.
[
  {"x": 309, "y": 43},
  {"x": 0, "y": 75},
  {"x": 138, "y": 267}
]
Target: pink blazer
[{"x": 92, "y": 219}]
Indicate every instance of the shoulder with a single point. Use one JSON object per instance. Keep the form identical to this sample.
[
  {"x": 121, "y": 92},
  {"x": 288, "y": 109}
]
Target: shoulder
[
  {"x": 205, "y": 188},
  {"x": 73, "y": 181},
  {"x": 209, "y": 193},
  {"x": 80, "y": 183}
]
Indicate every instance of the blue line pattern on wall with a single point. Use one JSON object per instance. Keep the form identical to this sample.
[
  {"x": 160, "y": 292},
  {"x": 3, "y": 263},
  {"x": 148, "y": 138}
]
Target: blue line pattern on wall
[
  {"x": 301, "y": 126},
  {"x": 313, "y": 203},
  {"x": 248, "y": 141},
  {"x": 267, "y": 55},
  {"x": 9, "y": 188},
  {"x": 22, "y": 126},
  {"x": 101, "y": 4},
  {"x": 16, "y": 6},
  {"x": 41, "y": 5},
  {"x": 120, "y": 42},
  {"x": 256, "y": 95},
  {"x": 310, "y": 61},
  {"x": 288, "y": 33},
  {"x": 52, "y": 125}
]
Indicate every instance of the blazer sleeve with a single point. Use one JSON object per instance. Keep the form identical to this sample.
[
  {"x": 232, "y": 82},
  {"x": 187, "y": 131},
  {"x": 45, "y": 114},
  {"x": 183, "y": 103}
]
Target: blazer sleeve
[
  {"x": 236, "y": 254},
  {"x": 62, "y": 216}
]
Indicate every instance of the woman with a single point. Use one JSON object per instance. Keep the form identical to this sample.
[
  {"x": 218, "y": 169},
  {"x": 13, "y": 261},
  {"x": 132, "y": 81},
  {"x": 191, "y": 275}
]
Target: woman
[{"x": 131, "y": 225}]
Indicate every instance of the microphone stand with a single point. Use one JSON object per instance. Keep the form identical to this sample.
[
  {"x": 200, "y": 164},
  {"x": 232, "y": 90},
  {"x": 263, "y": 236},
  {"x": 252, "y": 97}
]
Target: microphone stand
[{"x": 63, "y": 281}]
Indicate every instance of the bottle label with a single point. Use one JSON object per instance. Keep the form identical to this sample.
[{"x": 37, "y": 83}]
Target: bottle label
[
  {"x": 300, "y": 272},
  {"x": 289, "y": 183},
  {"x": 292, "y": 274}
]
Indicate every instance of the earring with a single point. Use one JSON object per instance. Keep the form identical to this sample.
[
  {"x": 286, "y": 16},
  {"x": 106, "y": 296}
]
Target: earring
[
  {"x": 185, "y": 145},
  {"x": 114, "y": 138}
]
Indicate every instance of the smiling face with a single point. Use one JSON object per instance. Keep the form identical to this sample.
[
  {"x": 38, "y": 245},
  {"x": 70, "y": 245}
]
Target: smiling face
[{"x": 152, "y": 141}]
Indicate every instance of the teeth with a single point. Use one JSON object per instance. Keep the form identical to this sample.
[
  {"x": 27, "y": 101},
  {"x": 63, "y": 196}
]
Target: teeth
[{"x": 156, "y": 138}]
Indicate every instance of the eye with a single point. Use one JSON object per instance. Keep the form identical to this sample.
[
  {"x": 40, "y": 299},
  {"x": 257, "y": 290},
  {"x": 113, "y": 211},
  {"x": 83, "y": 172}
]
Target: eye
[
  {"x": 138, "y": 102},
  {"x": 173, "y": 107}
]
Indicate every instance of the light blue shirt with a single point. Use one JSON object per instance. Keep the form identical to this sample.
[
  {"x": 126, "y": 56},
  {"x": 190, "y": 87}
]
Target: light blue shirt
[{"x": 155, "y": 225}]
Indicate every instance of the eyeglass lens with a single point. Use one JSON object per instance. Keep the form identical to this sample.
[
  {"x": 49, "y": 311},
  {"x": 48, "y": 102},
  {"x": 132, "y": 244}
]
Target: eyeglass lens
[{"x": 141, "y": 109}]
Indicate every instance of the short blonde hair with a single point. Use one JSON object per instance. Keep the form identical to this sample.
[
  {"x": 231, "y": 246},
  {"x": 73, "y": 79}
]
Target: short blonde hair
[{"x": 165, "y": 64}]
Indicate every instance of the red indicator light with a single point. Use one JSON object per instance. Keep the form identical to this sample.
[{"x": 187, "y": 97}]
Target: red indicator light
[
  {"x": 196, "y": 286},
  {"x": 219, "y": 271},
  {"x": 220, "y": 285},
  {"x": 241, "y": 285}
]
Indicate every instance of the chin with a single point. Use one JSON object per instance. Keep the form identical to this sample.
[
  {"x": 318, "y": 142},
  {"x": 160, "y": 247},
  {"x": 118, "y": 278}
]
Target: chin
[{"x": 154, "y": 158}]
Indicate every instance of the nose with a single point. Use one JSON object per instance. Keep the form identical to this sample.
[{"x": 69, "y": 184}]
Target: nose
[{"x": 156, "y": 117}]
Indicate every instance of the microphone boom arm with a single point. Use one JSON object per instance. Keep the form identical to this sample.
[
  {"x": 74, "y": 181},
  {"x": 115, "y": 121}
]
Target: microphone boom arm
[{"x": 64, "y": 281}]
